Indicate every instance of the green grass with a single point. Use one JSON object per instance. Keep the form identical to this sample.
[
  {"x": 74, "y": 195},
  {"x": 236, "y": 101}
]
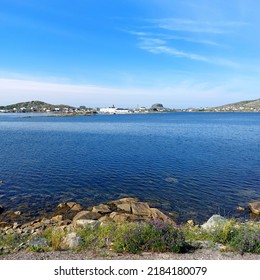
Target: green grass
[
  {"x": 153, "y": 237},
  {"x": 242, "y": 237}
]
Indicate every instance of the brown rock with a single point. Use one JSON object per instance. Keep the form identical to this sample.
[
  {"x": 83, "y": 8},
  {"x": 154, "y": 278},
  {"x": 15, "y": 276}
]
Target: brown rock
[
  {"x": 37, "y": 225},
  {"x": 87, "y": 215},
  {"x": 93, "y": 224},
  {"x": 124, "y": 207},
  {"x": 102, "y": 208},
  {"x": 254, "y": 207},
  {"x": 240, "y": 209},
  {"x": 118, "y": 217},
  {"x": 74, "y": 206},
  {"x": 62, "y": 205},
  {"x": 4, "y": 225},
  {"x": 135, "y": 218},
  {"x": 64, "y": 223},
  {"x": 56, "y": 219},
  {"x": 158, "y": 215},
  {"x": 191, "y": 223},
  {"x": 124, "y": 200},
  {"x": 105, "y": 219},
  {"x": 140, "y": 209}
]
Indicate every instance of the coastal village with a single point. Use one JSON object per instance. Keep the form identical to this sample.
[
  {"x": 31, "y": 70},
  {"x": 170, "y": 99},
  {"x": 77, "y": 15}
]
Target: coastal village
[{"x": 42, "y": 107}]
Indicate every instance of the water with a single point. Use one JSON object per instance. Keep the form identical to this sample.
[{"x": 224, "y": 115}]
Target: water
[{"x": 192, "y": 164}]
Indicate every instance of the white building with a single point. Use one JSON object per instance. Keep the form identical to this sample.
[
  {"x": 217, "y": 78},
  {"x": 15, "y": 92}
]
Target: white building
[{"x": 108, "y": 110}]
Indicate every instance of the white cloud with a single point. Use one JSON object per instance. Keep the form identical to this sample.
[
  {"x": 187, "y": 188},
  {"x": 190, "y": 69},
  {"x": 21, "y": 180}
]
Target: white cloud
[
  {"x": 194, "y": 26},
  {"x": 178, "y": 94}
]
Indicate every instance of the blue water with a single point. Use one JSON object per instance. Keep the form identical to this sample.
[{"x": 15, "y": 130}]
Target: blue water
[{"x": 192, "y": 164}]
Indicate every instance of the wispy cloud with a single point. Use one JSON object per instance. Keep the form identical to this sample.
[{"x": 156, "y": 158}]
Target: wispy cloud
[
  {"x": 193, "y": 26},
  {"x": 166, "y": 36},
  {"x": 159, "y": 46},
  {"x": 173, "y": 52}
]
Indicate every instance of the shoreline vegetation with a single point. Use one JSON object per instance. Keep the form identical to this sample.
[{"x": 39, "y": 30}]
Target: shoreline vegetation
[{"x": 127, "y": 226}]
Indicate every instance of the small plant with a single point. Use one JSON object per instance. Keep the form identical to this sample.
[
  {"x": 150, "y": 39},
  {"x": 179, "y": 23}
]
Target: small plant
[
  {"x": 54, "y": 238},
  {"x": 155, "y": 236},
  {"x": 246, "y": 239}
]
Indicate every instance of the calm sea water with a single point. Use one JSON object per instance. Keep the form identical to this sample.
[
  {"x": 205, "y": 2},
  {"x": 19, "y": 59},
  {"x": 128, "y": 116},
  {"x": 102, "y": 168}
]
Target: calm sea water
[{"x": 192, "y": 164}]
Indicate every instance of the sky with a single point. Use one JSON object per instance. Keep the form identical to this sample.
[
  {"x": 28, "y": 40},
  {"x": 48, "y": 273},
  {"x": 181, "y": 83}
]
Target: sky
[{"x": 96, "y": 53}]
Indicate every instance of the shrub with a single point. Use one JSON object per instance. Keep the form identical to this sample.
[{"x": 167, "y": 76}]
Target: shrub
[
  {"x": 154, "y": 236},
  {"x": 246, "y": 239}
]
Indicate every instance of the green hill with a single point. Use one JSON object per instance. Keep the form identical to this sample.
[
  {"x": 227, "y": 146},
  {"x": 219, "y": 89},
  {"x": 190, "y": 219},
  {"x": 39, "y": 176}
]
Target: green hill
[
  {"x": 33, "y": 105},
  {"x": 247, "y": 105}
]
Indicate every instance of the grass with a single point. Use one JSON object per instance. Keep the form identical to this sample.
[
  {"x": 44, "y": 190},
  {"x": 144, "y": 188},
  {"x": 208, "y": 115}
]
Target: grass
[
  {"x": 154, "y": 236},
  {"x": 241, "y": 237}
]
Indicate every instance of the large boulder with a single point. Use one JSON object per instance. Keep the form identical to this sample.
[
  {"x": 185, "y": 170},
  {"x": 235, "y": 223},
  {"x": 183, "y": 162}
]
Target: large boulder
[
  {"x": 102, "y": 208},
  {"x": 84, "y": 223},
  {"x": 140, "y": 208},
  {"x": 119, "y": 217},
  {"x": 158, "y": 215},
  {"x": 214, "y": 222},
  {"x": 88, "y": 215},
  {"x": 125, "y": 200},
  {"x": 126, "y": 207},
  {"x": 254, "y": 207}
]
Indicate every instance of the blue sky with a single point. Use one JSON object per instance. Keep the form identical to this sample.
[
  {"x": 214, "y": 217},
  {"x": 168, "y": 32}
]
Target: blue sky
[{"x": 182, "y": 53}]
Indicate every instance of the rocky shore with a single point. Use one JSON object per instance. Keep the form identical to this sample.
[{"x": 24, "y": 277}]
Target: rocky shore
[{"x": 69, "y": 217}]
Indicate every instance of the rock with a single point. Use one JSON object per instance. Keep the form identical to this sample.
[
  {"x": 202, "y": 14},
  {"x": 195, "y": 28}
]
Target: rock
[
  {"x": 254, "y": 207},
  {"x": 126, "y": 200},
  {"x": 18, "y": 213},
  {"x": 16, "y": 225},
  {"x": 101, "y": 208},
  {"x": 123, "y": 217},
  {"x": 74, "y": 206},
  {"x": 37, "y": 225},
  {"x": 88, "y": 215},
  {"x": 119, "y": 217},
  {"x": 1, "y": 208},
  {"x": 38, "y": 242},
  {"x": 125, "y": 207},
  {"x": 140, "y": 209},
  {"x": 46, "y": 221},
  {"x": 191, "y": 223},
  {"x": 240, "y": 209},
  {"x": 93, "y": 224},
  {"x": 71, "y": 241},
  {"x": 156, "y": 214},
  {"x": 4, "y": 225},
  {"x": 1, "y": 182},
  {"x": 105, "y": 219},
  {"x": 61, "y": 205},
  {"x": 56, "y": 219},
  {"x": 171, "y": 180},
  {"x": 64, "y": 223},
  {"x": 214, "y": 221}
]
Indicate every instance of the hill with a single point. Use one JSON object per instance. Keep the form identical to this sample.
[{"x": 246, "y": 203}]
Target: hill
[
  {"x": 35, "y": 106},
  {"x": 242, "y": 106}
]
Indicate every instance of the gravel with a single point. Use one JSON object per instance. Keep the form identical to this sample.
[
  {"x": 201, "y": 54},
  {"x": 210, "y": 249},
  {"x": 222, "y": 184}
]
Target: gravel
[{"x": 200, "y": 254}]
